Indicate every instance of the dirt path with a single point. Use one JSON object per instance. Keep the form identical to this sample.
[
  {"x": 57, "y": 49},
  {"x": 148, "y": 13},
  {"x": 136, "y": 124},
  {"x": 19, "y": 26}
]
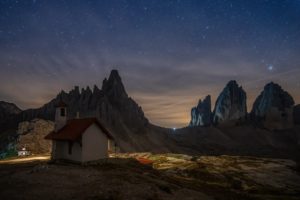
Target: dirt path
[{"x": 25, "y": 159}]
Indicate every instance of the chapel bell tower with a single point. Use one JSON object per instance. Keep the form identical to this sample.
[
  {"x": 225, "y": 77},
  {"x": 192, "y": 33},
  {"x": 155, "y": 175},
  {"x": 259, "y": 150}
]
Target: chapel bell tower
[{"x": 60, "y": 115}]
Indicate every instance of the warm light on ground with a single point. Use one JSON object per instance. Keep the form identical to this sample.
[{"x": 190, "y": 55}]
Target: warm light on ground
[{"x": 25, "y": 159}]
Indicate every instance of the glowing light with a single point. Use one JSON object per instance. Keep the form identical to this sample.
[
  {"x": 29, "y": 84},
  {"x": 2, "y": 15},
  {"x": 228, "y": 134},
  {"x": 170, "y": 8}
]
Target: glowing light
[
  {"x": 27, "y": 159},
  {"x": 270, "y": 67},
  {"x": 174, "y": 129}
]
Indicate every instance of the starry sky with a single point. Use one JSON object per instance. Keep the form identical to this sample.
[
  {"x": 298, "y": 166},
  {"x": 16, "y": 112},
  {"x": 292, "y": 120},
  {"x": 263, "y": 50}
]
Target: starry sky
[{"x": 168, "y": 53}]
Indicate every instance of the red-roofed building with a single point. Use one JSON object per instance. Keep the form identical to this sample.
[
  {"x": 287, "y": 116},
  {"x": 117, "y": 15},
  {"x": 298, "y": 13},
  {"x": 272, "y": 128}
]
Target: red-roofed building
[{"x": 79, "y": 140}]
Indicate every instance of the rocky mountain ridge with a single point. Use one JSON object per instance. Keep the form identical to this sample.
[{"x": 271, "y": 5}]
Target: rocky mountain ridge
[
  {"x": 133, "y": 132},
  {"x": 8, "y": 109},
  {"x": 273, "y": 108},
  {"x": 110, "y": 104}
]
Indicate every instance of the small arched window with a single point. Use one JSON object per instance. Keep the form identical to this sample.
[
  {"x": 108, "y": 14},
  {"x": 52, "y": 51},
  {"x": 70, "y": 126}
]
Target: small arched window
[{"x": 62, "y": 112}]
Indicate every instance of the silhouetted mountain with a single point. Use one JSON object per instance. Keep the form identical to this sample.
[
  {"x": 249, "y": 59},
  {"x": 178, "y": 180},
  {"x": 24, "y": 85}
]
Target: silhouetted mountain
[
  {"x": 7, "y": 109},
  {"x": 230, "y": 105},
  {"x": 201, "y": 114},
  {"x": 125, "y": 119},
  {"x": 274, "y": 108},
  {"x": 114, "y": 88},
  {"x": 111, "y": 105},
  {"x": 282, "y": 140}
]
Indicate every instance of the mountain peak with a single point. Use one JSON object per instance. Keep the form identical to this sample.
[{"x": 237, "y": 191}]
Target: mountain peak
[
  {"x": 274, "y": 88},
  {"x": 275, "y": 106},
  {"x": 114, "y": 74},
  {"x": 231, "y": 104},
  {"x": 232, "y": 83},
  {"x": 201, "y": 114},
  {"x": 272, "y": 96},
  {"x": 113, "y": 87},
  {"x": 7, "y": 108},
  {"x": 96, "y": 89}
]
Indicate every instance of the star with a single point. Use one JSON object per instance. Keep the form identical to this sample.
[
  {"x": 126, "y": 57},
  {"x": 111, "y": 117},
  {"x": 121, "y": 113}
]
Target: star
[
  {"x": 270, "y": 67},
  {"x": 199, "y": 44}
]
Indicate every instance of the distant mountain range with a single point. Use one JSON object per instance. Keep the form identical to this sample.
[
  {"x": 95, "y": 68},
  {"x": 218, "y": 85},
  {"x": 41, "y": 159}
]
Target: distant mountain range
[
  {"x": 273, "y": 109},
  {"x": 229, "y": 129}
]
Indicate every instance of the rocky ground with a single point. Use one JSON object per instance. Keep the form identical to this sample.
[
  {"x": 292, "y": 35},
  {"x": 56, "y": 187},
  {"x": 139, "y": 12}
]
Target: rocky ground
[
  {"x": 31, "y": 135},
  {"x": 149, "y": 176},
  {"x": 235, "y": 176}
]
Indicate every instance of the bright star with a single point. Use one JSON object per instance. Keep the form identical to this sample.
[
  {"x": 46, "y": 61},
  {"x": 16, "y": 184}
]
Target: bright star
[{"x": 270, "y": 67}]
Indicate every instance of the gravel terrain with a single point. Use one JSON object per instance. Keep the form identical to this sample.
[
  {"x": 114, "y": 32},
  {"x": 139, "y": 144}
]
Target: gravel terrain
[{"x": 151, "y": 177}]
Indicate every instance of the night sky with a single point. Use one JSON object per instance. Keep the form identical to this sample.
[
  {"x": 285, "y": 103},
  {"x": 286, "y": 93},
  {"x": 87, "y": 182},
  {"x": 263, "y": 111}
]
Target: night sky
[{"x": 169, "y": 53}]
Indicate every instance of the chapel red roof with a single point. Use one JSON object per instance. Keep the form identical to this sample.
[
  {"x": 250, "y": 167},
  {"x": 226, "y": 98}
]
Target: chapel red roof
[{"x": 75, "y": 128}]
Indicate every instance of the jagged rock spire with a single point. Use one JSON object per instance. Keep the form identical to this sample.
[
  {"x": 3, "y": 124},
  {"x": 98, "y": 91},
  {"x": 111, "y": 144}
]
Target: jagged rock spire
[
  {"x": 96, "y": 89},
  {"x": 274, "y": 107},
  {"x": 113, "y": 87},
  {"x": 272, "y": 96},
  {"x": 231, "y": 104},
  {"x": 201, "y": 114}
]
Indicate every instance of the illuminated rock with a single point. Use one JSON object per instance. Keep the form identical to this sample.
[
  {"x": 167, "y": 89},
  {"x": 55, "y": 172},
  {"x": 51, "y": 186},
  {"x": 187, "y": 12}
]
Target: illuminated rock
[
  {"x": 31, "y": 136},
  {"x": 274, "y": 108},
  {"x": 230, "y": 105},
  {"x": 201, "y": 114}
]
